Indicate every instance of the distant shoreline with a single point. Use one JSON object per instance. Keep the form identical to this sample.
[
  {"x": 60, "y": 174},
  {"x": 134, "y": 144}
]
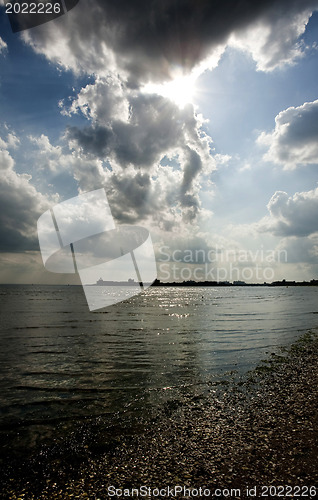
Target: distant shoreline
[
  {"x": 241, "y": 283},
  {"x": 158, "y": 283}
]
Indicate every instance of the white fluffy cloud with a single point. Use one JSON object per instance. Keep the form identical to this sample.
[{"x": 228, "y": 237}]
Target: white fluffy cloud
[
  {"x": 294, "y": 141},
  {"x": 11, "y": 142},
  {"x": 101, "y": 102},
  {"x": 273, "y": 40},
  {"x": 291, "y": 215},
  {"x": 20, "y": 205}
]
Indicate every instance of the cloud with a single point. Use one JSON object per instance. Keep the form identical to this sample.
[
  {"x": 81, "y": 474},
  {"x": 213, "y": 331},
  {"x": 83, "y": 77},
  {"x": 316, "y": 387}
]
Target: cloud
[
  {"x": 156, "y": 199},
  {"x": 58, "y": 160},
  {"x": 165, "y": 196},
  {"x": 128, "y": 152},
  {"x": 101, "y": 102},
  {"x": 3, "y": 45},
  {"x": 273, "y": 40},
  {"x": 154, "y": 128},
  {"x": 12, "y": 141},
  {"x": 294, "y": 141},
  {"x": 126, "y": 46},
  {"x": 132, "y": 149},
  {"x": 20, "y": 206},
  {"x": 301, "y": 249},
  {"x": 158, "y": 40},
  {"x": 291, "y": 215},
  {"x": 150, "y": 155},
  {"x": 49, "y": 156}
]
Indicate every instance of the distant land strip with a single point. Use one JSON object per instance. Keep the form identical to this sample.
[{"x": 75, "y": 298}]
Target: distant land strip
[{"x": 157, "y": 282}]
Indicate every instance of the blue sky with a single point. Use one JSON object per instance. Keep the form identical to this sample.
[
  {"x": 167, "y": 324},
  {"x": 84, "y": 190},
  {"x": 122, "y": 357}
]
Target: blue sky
[{"x": 77, "y": 114}]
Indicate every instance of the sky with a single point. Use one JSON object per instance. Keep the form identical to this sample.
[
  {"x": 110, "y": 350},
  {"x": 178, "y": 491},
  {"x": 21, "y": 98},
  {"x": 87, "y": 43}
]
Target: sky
[{"x": 199, "y": 118}]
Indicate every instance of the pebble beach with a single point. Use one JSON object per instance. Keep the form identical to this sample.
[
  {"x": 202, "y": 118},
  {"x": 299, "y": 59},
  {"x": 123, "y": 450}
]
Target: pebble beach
[{"x": 240, "y": 437}]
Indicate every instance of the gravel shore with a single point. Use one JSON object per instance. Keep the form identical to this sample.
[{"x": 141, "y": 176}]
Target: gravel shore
[{"x": 256, "y": 431}]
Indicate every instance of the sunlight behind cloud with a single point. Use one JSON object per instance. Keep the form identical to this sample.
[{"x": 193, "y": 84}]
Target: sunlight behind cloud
[{"x": 181, "y": 90}]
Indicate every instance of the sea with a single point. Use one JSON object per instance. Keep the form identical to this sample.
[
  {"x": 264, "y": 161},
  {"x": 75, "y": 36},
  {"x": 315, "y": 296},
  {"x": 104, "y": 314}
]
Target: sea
[{"x": 61, "y": 364}]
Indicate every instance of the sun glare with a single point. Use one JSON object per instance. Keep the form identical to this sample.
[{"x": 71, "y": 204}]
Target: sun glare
[{"x": 180, "y": 90}]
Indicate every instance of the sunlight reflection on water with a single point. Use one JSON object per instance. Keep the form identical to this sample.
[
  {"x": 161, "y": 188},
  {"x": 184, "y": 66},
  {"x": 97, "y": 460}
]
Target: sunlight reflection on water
[{"x": 58, "y": 361}]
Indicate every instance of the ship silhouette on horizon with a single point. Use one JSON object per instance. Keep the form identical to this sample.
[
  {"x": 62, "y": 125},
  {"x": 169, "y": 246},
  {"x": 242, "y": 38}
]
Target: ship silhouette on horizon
[{"x": 129, "y": 282}]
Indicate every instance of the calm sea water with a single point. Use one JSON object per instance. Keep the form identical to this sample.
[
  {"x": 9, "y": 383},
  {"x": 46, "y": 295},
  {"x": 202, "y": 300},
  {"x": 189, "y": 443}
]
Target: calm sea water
[{"x": 59, "y": 362}]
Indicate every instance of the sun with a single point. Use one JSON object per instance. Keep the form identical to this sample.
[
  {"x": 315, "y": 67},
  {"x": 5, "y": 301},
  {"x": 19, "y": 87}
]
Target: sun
[{"x": 180, "y": 91}]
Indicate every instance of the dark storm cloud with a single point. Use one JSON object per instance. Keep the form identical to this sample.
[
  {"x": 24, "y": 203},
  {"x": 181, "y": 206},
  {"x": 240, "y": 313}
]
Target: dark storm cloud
[
  {"x": 94, "y": 140},
  {"x": 131, "y": 197},
  {"x": 191, "y": 169},
  {"x": 155, "y": 34},
  {"x": 13, "y": 241},
  {"x": 155, "y": 126},
  {"x": 149, "y": 39},
  {"x": 184, "y": 31},
  {"x": 134, "y": 148}
]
